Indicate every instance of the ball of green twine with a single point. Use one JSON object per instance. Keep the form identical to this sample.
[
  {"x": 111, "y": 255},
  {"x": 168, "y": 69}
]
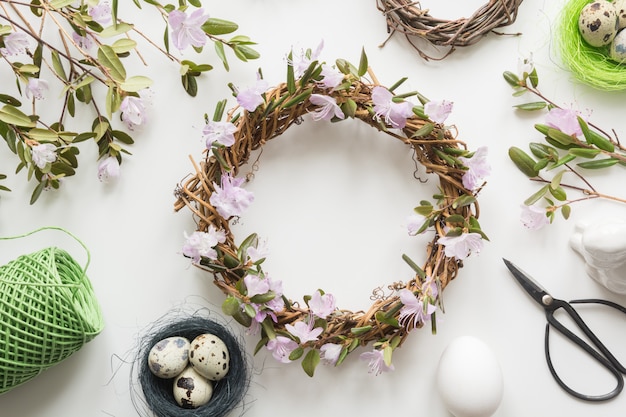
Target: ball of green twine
[
  {"x": 588, "y": 64},
  {"x": 48, "y": 311}
]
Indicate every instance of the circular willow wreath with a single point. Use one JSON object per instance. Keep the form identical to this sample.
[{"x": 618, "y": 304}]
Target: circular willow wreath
[
  {"x": 455, "y": 212},
  {"x": 408, "y": 18}
]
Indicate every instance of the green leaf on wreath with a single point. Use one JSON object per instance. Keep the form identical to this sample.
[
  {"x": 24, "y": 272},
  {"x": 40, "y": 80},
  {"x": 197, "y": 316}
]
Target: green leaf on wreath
[
  {"x": 523, "y": 161},
  {"x": 310, "y": 362}
]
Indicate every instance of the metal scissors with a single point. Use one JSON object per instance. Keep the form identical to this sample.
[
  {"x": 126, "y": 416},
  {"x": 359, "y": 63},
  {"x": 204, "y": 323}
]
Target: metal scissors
[{"x": 600, "y": 353}]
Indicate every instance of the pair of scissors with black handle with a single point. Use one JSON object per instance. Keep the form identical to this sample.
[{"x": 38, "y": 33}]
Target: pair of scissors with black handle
[{"x": 598, "y": 352}]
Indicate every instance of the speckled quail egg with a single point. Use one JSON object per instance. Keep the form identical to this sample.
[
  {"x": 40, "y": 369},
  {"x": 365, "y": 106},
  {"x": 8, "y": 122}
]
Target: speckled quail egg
[
  {"x": 598, "y": 23},
  {"x": 617, "y": 51},
  {"x": 620, "y": 9},
  {"x": 192, "y": 390},
  {"x": 169, "y": 357},
  {"x": 209, "y": 356}
]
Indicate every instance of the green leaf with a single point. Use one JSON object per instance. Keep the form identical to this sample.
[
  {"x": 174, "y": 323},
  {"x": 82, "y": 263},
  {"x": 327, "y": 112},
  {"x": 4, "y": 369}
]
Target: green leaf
[
  {"x": 556, "y": 180},
  {"x": 6, "y": 99},
  {"x": 594, "y": 138},
  {"x": 565, "y": 211},
  {"x": 57, "y": 65},
  {"x": 13, "y": 116},
  {"x": 424, "y": 130},
  {"x": 537, "y": 105},
  {"x": 419, "y": 271},
  {"x": 113, "y": 101},
  {"x": 219, "y": 50},
  {"x": 598, "y": 163},
  {"x": 298, "y": 99},
  {"x": 109, "y": 59},
  {"x": 584, "y": 152},
  {"x": 387, "y": 353},
  {"x": 43, "y": 135},
  {"x": 363, "y": 64},
  {"x": 37, "y": 192},
  {"x": 310, "y": 362},
  {"x": 360, "y": 330},
  {"x": 28, "y": 69},
  {"x": 523, "y": 161},
  {"x": 115, "y": 30},
  {"x": 214, "y": 26},
  {"x": 464, "y": 200},
  {"x": 560, "y": 137},
  {"x": 381, "y": 317},
  {"x": 57, "y": 4},
  {"x": 291, "y": 79},
  {"x": 296, "y": 353},
  {"x": 349, "y": 107},
  {"x": 136, "y": 83},
  {"x": 511, "y": 78},
  {"x": 536, "y": 196},
  {"x": 123, "y": 45},
  {"x": 190, "y": 84},
  {"x": 558, "y": 193},
  {"x": 263, "y": 298}
]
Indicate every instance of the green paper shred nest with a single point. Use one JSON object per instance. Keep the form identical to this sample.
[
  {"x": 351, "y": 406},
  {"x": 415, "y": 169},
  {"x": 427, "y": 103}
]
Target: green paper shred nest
[
  {"x": 588, "y": 64},
  {"x": 48, "y": 311}
]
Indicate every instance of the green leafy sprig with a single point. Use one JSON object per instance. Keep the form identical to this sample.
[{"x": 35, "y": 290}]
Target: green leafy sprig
[
  {"x": 93, "y": 81},
  {"x": 559, "y": 163}
]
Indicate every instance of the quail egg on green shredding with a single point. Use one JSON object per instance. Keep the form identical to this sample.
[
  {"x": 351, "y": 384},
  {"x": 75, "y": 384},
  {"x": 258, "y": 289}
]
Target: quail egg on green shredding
[
  {"x": 620, "y": 9},
  {"x": 617, "y": 51},
  {"x": 169, "y": 357},
  {"x": 598, "y": 23}
]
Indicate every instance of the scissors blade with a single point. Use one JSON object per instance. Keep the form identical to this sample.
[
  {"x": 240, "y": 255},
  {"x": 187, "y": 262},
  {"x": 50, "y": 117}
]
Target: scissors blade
[{"x": 536, "y": 291}]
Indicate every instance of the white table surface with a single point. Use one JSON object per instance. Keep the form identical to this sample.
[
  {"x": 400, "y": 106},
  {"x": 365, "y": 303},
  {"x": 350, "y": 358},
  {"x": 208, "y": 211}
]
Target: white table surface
[{"x": 332, "y": 202}]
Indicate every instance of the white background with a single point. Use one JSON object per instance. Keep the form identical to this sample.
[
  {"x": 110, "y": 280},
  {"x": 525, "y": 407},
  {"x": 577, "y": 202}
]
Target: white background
[{"x": 332, "y": 201}]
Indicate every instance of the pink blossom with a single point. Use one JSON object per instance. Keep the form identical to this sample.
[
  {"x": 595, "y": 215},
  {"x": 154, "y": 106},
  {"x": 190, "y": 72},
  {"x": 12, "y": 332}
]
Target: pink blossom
[
  {"x": 281, "y": 347},
  {"x": 376, "y": 361},
  {"x": 230, "y": 199},
  {"x": 328, "y": 108},
  {"x": 533, "y": 217},
  {"x": 100, "y": 13},
  {"x": 220, "y": 132},
  {"x": 187, "y": 28},
  {"x": 15, "y": 43},
  {"x": 302, "y": 62},
  {"x": 36, "y": 88},
  {"x": 329, "y": 353},
  {"x": 322, "y": 306},
  {"x": 256, "y": 285},
  {"x": 304, "y": 331},
  {"x": 463, "y": 245},
  {"x": 414, "y": 222},
  {"x": 252, "y": 97},
  {"x": 201, "y": 244},
  {"x": 394, "y": 114},
  {"x": 565, "y": 120},
  {"x": 258, "y": 252},
  {"x": 108, "y": 169},
  {"x": 83, "y": 42},
  {"x": 133, "y": 112},
  {"x": 331, "y": 77},
  {"x": 478, "y": 169},
  {"x": 43, "y": 154},
  {"x": 438, "y": 111},
  {"x": 414, "y": 310}
]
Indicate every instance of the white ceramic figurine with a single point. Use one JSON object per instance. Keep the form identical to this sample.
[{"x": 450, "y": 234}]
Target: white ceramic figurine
[{"x": 603, "y": 247}]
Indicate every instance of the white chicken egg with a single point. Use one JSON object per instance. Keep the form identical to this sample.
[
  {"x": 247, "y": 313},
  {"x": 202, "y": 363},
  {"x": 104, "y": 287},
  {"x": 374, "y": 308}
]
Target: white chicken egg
[
  {"x": 620, "y": 9},
  {"x": 598, "y": 23},
  {"x": 617, "y": 51},
  {"x": 209, "y": 356},
  {"x": 169, "y": 357},
  {"x": 192, "y": 390},
  {"x": 469, "y": 378}
]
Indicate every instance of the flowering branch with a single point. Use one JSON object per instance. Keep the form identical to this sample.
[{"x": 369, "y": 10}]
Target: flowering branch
[
  {"x": 569, "y": 138},
  {"x": 87, "y": 59}
]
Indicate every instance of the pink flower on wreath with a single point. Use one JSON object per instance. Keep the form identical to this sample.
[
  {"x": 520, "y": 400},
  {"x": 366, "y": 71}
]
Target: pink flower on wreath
[
  {"x": 438, "y": 111},
  {"x": 301, "y": 62},
  {"x": 414, "y": 310},
  {"x": 43, "y": 154},
  {"x": 100, "y": 13},
  {"x": 202, "y": 244},
  {"x": 83, "y": 42},
  {"x": 413, "y": 223},
  {"x": 252, "y": 97},
  {"x": 36, "y": 88},
  {"x": 220, "y": 132},
  {"x": 331, "y": 77},
  {"x": 322, "y": 306},
  {"x": 376, "y": 362},
  {"x": 230, "y": 199},
  {"x": 565, "y": 120},
  {"x": 533, "y": 217},
  {"x": 394, "y": 114},
  {"x": 187, "y": 28},
  {"x": 477, "y": 169},
  {"x": 134, "y": 112},
  {"x": 463, "y": 245},
  {"x": 305, "y": 332},
  {"x": 328, "y": 108},
  {"x": 281, "y": 347},
  {"x": 329, "y": 353},
  {"x": 108, "y": 169},
  {"x": 258, "y": 252}
]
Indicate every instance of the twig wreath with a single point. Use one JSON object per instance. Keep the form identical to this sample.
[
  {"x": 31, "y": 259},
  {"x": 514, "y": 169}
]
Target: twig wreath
[
  {"x": 408, "y": 17},
  {"x": 316, "y": 330}
]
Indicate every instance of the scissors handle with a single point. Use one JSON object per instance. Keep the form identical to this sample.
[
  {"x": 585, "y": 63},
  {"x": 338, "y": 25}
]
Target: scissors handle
[{"x": 607, "y": 361}]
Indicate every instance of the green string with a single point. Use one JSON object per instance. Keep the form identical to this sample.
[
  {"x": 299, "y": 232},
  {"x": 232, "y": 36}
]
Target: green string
[{"x": 48, "y": 311}]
